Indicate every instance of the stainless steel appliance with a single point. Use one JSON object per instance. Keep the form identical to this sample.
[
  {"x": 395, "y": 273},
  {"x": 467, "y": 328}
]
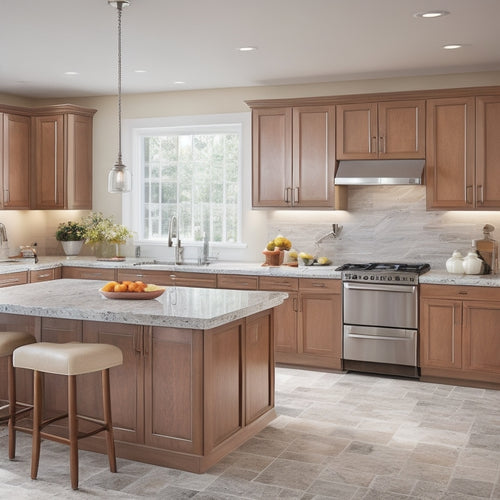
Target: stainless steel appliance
[{"x": 380, "y": 315}]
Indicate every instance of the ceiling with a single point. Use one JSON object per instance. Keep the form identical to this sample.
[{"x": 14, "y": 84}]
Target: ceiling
[{"x": 197, "y": 41}]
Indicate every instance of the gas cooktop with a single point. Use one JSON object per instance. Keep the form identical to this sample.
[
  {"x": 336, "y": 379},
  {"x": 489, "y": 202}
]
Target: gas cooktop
[{"x": 386, "y": 266}]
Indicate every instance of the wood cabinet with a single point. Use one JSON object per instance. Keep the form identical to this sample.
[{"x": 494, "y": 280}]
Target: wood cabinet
[
  {"x": 89, "y": 273},
  {"x": 169, "y": 278},
  {"x": 459, "y": 337},
  {"x": 384, "y": 130},
  {"x": 62, "y": 164},
  {"x": 462, "y": 153},
  {"x": 308, "y": 325},
  {"x": 36, "y": 276},
  {"x": 237, "y": 282},
  {"x": 11, "y": 279},
  {"x": 293, "y": 157},
  {"x": 15, "y": 136}
]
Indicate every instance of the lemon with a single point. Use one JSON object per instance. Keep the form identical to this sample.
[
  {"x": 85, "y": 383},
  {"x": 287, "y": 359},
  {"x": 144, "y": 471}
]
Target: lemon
[
  {"x": 293, "y": 254},
  {"x": 270, "y": 246},
  {"x": 153, "y": 288},
  {"x": 323, "y": 261},
  {"x": 305, "y": 256}
]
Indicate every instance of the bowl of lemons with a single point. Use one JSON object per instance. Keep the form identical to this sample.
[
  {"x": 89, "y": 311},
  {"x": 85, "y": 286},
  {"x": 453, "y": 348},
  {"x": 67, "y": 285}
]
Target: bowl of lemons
[{"x": 306, "y": 259}]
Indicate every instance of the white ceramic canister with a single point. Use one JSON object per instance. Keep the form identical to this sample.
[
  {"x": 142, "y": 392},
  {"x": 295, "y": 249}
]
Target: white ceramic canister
[
  {"x": 455, "y": 264},
  {"x": 473, "y": 264}
]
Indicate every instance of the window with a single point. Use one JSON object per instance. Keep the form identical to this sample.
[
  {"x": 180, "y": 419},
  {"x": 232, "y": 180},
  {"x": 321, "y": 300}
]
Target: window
[{"x": 193, "y": 172}]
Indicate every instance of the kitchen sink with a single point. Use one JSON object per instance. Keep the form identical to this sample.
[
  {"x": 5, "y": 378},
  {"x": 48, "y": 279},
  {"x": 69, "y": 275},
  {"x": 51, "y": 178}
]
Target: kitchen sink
[
  {"x": 9, "y": 261},
  {"x": 170, "y": 263}
]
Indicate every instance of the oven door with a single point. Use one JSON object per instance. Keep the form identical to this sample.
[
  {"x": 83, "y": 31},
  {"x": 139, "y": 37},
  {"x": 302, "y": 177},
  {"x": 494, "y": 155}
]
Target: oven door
[
  {"x": 373, "y": 304},
  {"x": 380, "y": 345}
]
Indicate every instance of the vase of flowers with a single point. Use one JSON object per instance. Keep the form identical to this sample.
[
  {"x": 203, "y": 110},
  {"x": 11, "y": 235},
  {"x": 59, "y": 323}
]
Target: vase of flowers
[
  {"x": 71, "y": 235},
  {"x": 105, "y": 235}
]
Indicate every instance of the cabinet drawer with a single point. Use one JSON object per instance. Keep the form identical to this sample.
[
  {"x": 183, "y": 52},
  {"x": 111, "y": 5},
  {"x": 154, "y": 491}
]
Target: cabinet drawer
[
  {"x": 88, "y": 273},
  {"x": 11, "y": 279},
  {"x": 278, "y": 284},
  {"x": 318, "y": 284},
  {"x": 200, "y": 280},
  {"x": 45, "y": 275},
  {"x": 237, "y": 282},
  {"x": 460, "y": 292}
]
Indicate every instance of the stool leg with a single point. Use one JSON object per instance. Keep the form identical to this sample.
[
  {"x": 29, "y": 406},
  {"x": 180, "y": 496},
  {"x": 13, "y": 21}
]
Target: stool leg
[
  {"x": 37, "y": 420},
  {"x": 106, "y": 404},
  {"x": 11, "y": 377},
  {"x": 73, "y": 431}
]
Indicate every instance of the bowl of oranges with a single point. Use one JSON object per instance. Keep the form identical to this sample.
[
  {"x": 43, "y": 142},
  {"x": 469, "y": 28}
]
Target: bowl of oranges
[{"x": 131, "y": 290}]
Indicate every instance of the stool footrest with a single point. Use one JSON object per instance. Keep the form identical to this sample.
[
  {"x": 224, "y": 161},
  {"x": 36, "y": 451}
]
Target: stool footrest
[{"x": 24, "y": 408}]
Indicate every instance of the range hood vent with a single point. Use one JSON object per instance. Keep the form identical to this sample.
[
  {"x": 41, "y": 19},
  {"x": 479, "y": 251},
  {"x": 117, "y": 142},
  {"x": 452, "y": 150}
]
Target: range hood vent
[{"x": 375, "y": 172}]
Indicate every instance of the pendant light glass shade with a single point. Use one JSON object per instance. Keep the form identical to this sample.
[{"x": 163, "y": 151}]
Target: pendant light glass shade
[{"x": 119, "y": 178}]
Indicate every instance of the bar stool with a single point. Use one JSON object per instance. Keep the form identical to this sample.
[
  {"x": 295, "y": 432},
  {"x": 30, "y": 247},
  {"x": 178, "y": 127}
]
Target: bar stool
[
  {"x": 69, "y": 359},
  {"x": 9, "y": 341}
]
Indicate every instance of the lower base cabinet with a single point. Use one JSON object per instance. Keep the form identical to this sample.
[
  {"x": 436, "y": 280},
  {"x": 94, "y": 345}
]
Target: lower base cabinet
[
  {"x": 459, "y": 333},
  {"x": 308, "y": 325},
  {"x": 182, "y": 398}
]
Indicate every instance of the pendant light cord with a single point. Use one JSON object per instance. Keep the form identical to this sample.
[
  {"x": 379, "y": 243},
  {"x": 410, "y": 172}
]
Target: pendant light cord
[{"x": 119, "y": 8}]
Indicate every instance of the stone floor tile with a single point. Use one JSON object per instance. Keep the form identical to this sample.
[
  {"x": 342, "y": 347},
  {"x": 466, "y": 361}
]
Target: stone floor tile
[
  {"x": 290, "y": 474},
  {"x": 481, "y": 489},
  {"x": 341, "y": 491}
]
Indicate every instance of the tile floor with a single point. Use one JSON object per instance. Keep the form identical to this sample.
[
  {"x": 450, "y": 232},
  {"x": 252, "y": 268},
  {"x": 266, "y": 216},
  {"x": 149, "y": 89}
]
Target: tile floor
[{"x": 342, "y": 436}]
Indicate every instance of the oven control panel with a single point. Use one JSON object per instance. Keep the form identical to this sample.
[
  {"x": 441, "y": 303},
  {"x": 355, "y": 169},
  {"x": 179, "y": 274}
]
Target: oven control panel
[{"x": 397, "y": 278}]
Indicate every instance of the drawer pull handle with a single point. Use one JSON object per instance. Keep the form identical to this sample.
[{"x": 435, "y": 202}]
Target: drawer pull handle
[
  {"x": 46, "y": 275},
  {"x": 319, "y": 285},
  {"x": 462, "y": 292}
]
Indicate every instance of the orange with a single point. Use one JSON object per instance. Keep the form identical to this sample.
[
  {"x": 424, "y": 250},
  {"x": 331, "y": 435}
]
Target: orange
[
  {"x": 109, "y": 287},
  {"x": 121, "y": 287}
]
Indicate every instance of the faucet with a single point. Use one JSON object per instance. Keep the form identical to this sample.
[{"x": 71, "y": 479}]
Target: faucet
[
  {"x": 204, "y": 258},
  {"x": 173, "y": 232},
  {"x": 335, "y": 233},
  {"x": 3, "y": 234}
]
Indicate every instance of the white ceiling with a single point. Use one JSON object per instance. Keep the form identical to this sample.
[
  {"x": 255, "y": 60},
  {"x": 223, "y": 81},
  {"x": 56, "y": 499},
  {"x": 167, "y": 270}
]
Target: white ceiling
[{"x": 196, "y": 41}]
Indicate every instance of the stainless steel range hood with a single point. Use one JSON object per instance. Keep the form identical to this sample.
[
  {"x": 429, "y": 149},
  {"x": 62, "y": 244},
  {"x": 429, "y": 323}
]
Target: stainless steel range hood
[{"x": 375, "y": 172}]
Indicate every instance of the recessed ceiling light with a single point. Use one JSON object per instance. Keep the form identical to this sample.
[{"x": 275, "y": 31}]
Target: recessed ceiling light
[
  {"x": 247, "y": 49},
  {"x": 140, "y": 71},
  {"x": 71, "y": 73},
  {"x": 452, "y": 46},
  {"x": 431, "y": 14}
]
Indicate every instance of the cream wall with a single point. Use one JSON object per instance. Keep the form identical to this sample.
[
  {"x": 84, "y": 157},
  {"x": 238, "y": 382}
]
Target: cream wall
[{"x": 258, "y": 225}]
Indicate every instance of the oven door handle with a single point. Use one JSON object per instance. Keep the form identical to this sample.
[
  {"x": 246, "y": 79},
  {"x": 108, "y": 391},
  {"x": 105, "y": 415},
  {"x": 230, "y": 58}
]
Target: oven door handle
[
  {"x": 368, "y": 287},
  {"x": 376, "y": 337}
]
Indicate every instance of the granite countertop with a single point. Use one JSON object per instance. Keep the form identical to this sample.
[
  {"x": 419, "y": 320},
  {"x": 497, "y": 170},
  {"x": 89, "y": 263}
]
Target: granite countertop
[
  {"x": 434, "y": 276},
  {"x": 178, "y": 307}
]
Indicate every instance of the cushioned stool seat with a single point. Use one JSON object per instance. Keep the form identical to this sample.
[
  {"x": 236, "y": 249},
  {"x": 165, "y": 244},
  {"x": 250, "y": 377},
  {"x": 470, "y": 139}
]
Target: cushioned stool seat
[
  {"x": 69, "y": 359},
  {"x": 9, "y": 341}
]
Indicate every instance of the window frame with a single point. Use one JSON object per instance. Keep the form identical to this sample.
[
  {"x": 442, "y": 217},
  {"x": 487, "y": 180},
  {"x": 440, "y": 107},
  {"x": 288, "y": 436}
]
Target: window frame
[{"x": 136, "y": 129}]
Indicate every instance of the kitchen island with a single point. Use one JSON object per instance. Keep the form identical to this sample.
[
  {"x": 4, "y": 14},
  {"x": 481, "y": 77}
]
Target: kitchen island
[{"x": 198, "y": 374}]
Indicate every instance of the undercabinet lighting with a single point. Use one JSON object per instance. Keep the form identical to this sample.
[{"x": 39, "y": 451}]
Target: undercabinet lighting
[
  {"x": 247, "y": 49},
  {"x": 140, "y": 71},
  {"x": 432, "y": 14},
  {"x": 452, "y": 46},
  {"x": 71, "y": 73}
]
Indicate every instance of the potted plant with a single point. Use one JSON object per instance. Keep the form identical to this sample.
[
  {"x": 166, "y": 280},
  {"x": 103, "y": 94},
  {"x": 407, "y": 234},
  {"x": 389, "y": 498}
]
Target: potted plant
[
  {"x": 71, "y": 235},
  {"x": 105, "y": 235}
]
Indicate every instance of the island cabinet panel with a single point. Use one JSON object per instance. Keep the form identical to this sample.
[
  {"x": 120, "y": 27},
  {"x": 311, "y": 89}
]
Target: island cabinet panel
[
  {"x": 223, "y": 383},
  {"x": 88, "y": 273},
  {"x": 173, "y": 389},
  {"x": 259, "y": 371},
  {"x": 459, "y": 336},
  {"x": 24, "y": 378},
  {"x": 126, "y": 380}
]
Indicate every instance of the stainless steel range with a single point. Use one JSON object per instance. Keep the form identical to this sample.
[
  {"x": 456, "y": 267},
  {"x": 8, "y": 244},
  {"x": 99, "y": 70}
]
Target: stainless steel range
[{"x": 380, "y": 315}]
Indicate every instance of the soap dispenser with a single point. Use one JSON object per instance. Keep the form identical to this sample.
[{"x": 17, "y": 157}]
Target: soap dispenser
[{"x": 472, "y": 263}]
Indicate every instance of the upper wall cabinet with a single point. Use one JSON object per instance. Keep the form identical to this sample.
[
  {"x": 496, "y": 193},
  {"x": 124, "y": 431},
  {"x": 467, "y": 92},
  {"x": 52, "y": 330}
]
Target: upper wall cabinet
[
  {"x": 463, "y": 151},
  {"x": 62, "y": 159},
  {"x": 391, "y": 130},
  {"x": 15, "y": 161},
  {"x": 294, "y": 157}
]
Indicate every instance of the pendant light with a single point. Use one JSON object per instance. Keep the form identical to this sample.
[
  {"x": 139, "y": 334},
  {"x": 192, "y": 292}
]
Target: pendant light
[{"x": 119, "y": 178}]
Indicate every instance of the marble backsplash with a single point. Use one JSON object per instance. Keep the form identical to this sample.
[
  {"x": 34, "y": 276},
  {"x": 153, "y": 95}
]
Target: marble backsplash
[{"x": 385, "y": 223}]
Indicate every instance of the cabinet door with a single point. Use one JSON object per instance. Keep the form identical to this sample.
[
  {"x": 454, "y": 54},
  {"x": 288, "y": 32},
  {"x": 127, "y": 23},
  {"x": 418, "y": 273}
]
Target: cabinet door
[
  {"x": 481, "y": 337},
  {"x": 45, "y": 275},
  {"x": 11, "y": 279},
  {"x": 320, "y": 324},
  {"x": 450, "y": 153},
  {"x": 169, "y": 278},
  {"x": 79, "y": 162},
  {"x": 173, "y": 389},
  {"x": 16, "y": 161},
  {"x": 440, "y": 333},
  {"x": 126, "y": 380},
  {"x": 487, "y": 152},
  {"x": 313, "y": 156},
  {"x": 259, "y": 366},
  {"x": 272, "y": 157},
  {"x": 286, "y": 325},
  {"x": 357, "y": 131},
  {"x": 49, "y": 162},
  {"x": 401, "y": 129}
]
